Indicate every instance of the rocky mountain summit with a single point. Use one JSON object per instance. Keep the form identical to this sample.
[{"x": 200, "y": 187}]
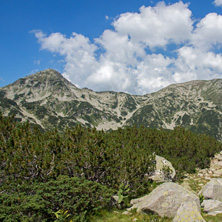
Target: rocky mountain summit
[{"x": 49, "y": 100}]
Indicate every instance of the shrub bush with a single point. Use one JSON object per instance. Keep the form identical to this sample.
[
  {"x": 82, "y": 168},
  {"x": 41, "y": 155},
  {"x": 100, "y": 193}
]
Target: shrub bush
[
  {"x": 32, "y": 162},
  {"x": 40, "y": 201}
]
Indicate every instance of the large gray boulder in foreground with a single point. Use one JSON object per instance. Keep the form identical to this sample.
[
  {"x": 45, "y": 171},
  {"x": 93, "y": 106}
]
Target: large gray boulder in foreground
[
  {"x": 213, "y": 189},
  {"x": 165, "y": 200},
  {"x": 164, "y": 170},
  {"x": 188, "y": 211}
]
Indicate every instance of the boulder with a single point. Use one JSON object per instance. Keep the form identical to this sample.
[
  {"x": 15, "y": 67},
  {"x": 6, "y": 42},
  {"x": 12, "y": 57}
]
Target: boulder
[
  {"x": 165, "y": 200},
  {"x": 188, "y": 211},
  {"x": 213, "y": 189},
  {"x": 164, "y": 170},
  {"x": 212, "y": 207}
]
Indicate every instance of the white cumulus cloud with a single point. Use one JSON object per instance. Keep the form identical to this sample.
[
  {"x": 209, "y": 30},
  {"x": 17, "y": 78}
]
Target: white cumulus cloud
[
  {"x": 78, "y": 53},
  {"x": 144, "y": 51},
  {"x": 208, "y": 32},
  {"x": 157, "y": 26},
  {"x": 218, "y": 2},
  {"x": 193, "y": 63}
]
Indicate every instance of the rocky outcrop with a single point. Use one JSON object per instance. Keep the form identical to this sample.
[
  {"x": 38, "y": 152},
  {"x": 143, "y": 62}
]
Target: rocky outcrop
[
  {"x": 165, "y": 200},
  {"x": 172, "y": 200},
  {"x": 216, "y": 165},
  {"x": 212, "y": 207},
  {"x": 215, "y": 169},
  {"x": 213, "y": 189},
  {"x": 203, "y": 176},
  {"x": 164, "y": 170},
  {"x": 188, "y": 211},
  {"x": 212, "y": 193}
]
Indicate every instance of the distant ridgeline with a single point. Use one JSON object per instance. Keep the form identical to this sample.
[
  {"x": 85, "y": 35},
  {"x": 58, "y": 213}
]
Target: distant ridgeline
[
  {"x": 39, "y": 171},
  {"x": 48, "y": 100}
]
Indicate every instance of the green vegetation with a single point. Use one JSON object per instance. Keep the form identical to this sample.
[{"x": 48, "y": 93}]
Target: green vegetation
[
  {"x": 123, "y": 197},
  {"x": 78, "y": 170},
  {"x": 208, "y": 122},
  {"x": 115, "y": 103},
  {"x": 186, "y": 120},
  {"x": 114, "y": 216},
  {"x": 217, "y": 218},
  {"x": 39, "y": 201},
  {"x": 130, "y": 103},
  {"x": 145, "y": 116},
  {"x": 184, "y": 149}
]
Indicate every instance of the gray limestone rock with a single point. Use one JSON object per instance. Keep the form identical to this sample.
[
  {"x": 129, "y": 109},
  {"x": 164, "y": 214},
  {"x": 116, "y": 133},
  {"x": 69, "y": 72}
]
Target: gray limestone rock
[
  {"x": 212, "y": 207},
  {"x": 164, "y": 170},
  {"x": 165, "y": 200},
  {"x": 213, "y": 189},
  {"x": 188, "y": 211}
]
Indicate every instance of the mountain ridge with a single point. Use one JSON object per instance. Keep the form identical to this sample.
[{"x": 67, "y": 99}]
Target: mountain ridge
[{"x": 49, "y": 100}]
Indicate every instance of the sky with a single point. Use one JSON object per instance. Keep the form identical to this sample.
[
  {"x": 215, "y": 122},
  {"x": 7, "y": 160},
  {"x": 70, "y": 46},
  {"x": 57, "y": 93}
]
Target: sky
[{"x": 133, "y": 46}]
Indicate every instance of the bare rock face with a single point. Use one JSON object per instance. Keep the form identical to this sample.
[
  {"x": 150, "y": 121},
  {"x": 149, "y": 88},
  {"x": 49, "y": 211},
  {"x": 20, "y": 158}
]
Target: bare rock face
[
  {"x": 188, "y": 211},
  {"x": 213, "y": 189},
  {"x": 48, "y": 100},
  {"x": 164, "y": 170},
  {"x": 165, "y": 200}
]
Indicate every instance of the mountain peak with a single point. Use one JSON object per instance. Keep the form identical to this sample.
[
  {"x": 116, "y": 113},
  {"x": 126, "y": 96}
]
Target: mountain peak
[
  {"x": 47, "y": 74},
  {"x": 48, "y": 77},
  {"x": 46, "y": 98}
]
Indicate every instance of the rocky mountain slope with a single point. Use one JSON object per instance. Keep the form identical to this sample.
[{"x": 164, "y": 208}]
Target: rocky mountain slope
[{"x": 47, "y": 99}]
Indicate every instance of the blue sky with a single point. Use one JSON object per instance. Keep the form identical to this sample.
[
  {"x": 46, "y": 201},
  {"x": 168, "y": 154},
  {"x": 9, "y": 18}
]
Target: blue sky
[{"x": 135, "y": 46}]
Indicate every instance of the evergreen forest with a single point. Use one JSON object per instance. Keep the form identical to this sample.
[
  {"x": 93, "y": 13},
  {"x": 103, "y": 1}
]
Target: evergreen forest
[{"x": 73, "y": 174}]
